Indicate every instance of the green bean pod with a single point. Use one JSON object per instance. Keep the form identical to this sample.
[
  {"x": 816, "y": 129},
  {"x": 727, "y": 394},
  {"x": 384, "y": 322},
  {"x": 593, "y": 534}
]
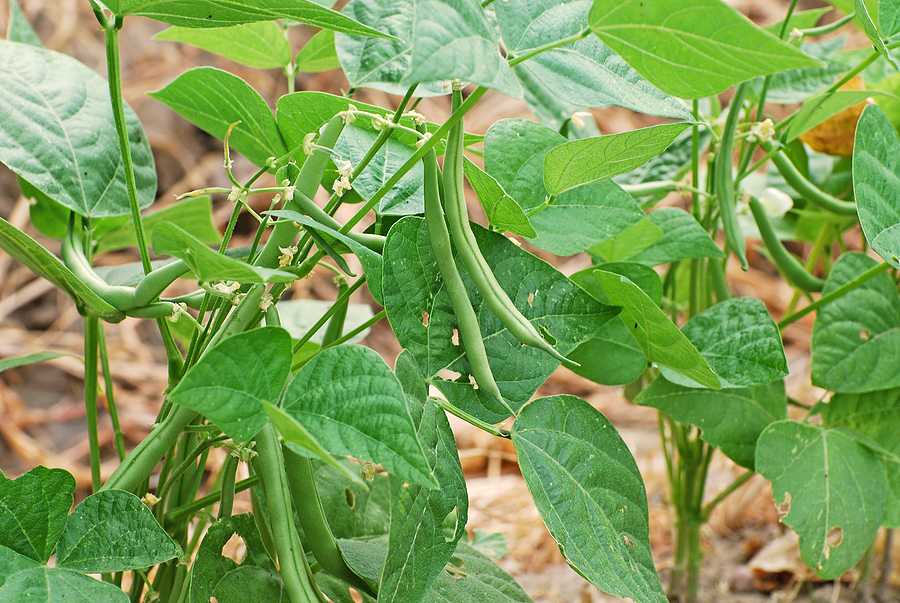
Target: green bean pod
[
  {"x": 724, "y": 179},
  {"x": 476, "y": 266},
  {"x": 467, "y": 321},
  {"x": 803, "y": 186},
  {"x": 792, "y": 269}
]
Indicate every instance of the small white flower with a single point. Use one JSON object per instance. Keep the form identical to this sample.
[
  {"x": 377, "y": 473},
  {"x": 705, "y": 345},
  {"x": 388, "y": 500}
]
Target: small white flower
[
  {"x": 234, "y": 194},
  {"x": 287, "y": 255},
  {"x": 265, "y": 302},
  {"x": 308, "y": 145},
  {"x": 579, "y": 116},
  {"x": 796, "y": 34},
  {"x": 345, "y": 168},
  {"x": 776, "y": 203},
  {"x": 425, "y": 137},
  {"x": 223, "y": 288},
  {"x": 349, "y": 116},
  {"x": 762, "y": 131},
  {"x": 289, "y": 193},
  {"x": 340, "y": 185},
  {"x": 177, "y": 310},
  {"x": 417, "y": 117}
]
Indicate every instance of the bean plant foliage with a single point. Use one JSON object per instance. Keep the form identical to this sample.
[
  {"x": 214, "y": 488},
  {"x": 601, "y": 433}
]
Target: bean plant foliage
[{"x": 357, "y": 488}]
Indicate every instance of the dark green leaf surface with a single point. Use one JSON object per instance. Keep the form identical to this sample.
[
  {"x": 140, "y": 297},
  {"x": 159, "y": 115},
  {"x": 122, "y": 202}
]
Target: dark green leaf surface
[
  {"x": 739, "y": 340},
  {"x": 590, "y": 494},
  {"x": 731, "y": 419},
  {"x": 682, "y": 238},
  {"x": 212, "y": 100},
  {"x": 871, "y": 30},
  {"x": 214, "y": 575},
  {"x": 22, "y": 579},
  {"x": 57, "y": 133},
  {"x": 591, "y": 159},
  {"x": 471, "y": 576},
  {"x": 501, "y": 210},
  {"x": 380, "y": 63},
  {"x": 319, "y": 54},
  {"x": 691, "y": 48},
  {"x": 876, "y": 182},
  {"x": 33, "y": 511},
  {"x": 856, "y": 338},
  {"x": 875, "y": 414},
  {"x": 113, "y": 531},
  {"x": 262, "y": 45},
  {"x": 231, "y": 380},
  {"x": 208, "y": 265},
  {"x": 18, "y": 29},
  {"x": 829, "y": 488},
  {"x": 43, "y": 263},
  {"x": 658, "y": 337},
  {"x": 514, "y": 151},
  {"x": 452, "y": 39},
  {"x": 349, "y": 400},
  {"x": 414, "y": 291}
]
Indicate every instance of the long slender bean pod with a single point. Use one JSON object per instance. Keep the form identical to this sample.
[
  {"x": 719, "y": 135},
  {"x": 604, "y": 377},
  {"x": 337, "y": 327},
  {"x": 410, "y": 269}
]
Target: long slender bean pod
[
  {"x": 724, "y": 179},
  {"x": 792, "y": 269},
  {"x": 463, "y": 237},
  {"x": 226, "y": 501},
  {"x": 807, "y": 189},
  {"x": 467, "y": 321}
]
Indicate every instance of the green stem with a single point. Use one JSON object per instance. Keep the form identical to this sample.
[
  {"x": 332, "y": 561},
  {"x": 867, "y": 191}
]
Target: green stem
[
  {"x": 453, "y": 410},
  {"x": 110, "y": 399},
  {"x": 807, "y": 189},
  {"x": 91, "y": 350},
  {"x": 178, "y": 514},
  {"x": 839, "y": 292},
  {"x": 760, "y": 112},
  {"x": 190, "y": 460},
  {"x": 359, "y": 329},
  {"x": 550, "y": 46},
  {"x": 737, "y": 483}
]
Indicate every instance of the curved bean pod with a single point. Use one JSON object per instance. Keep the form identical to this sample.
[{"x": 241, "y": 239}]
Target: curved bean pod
[{"x": 792, "y": 269}]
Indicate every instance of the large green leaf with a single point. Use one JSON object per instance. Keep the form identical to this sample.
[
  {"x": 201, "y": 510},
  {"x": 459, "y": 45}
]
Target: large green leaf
[
  {"x": 211, "y": 570},
  {"x": 739, "y": 340},
  {"x": 354, "y": 510},
  {"x": 377, "y": 62},
  {"x": 225, "y": 13},
  {"x": 829, "y": 488},
  {"x": 452, "y": 39},
  {"x": 352, "y": 403},
  {"x": 113, "y": 531},
  {"x": 514, "y": 151},
  {"x": 262, "y": 45},
  {"x": 213, "y": 99},
  {"x": 33, "y": 511},
  {"x": 875, "y": 414},
  {"x": 591, "y": 159},
  {"x": 590, "y": 494},
  {"x": 731, "y": 419},
  {"x": 418, "y": 547},
  {"x": 43, "y": 263},
  {"x": 57, "y": 132},
  {"x": 586, "y": 73},
  {"x": 889, "y": 18},
  {"x": 856, "y": 338},
  {"x": 658, "y": 337},
  {"x": 19, "y": 29},
  {"x": 208, "y": 265},
  {"x": 682, "y": 238},
  {"x": 472, "y": 576},
  {"x": 691, "y": 48},
  {"x": 421, "y": 316},
  {"x": 876, "y": 182},
  {"x": 318, "y": 54},
  {"x": 501, "y": 210},
  {"x": 230, "y": 382},
  {"x": 22, "y": 579}
]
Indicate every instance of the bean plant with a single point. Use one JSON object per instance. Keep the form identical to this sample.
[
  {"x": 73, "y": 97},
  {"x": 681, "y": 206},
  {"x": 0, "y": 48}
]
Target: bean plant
[{"x": 355, "y": 480}]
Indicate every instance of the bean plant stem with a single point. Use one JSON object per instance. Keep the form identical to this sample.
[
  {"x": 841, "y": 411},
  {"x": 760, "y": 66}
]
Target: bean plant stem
[
  {"x": 110, "y": 398},
  {"x": 737, "y": 483},
  {"x": 837, "y": 293},
  {"x": 180, "y": 513},
  {"x": 91, "y": 350}
]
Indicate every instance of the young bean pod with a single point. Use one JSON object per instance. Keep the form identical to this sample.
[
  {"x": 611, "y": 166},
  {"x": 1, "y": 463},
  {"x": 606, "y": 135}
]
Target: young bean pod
[
  {"x": 787, "y": 263},
  {"x": 724, "y": 179},
  {"x": 467, "y": 321},
  {"x": 476, "y": 266}
]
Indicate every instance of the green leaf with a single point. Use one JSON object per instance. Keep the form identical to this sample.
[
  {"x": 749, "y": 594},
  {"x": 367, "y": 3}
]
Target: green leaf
[
  {"x": 230, "y": 382},
  {"x": 682, "y": 238},
  {"x": 875, "y": 414},
  {"x": 377, "y": 62},
  {"x": 43, "y": 263},
  {"x": 349, "y": 399},
  {"x": 261, "y": 45},
  {"x": 212, "y": 100},
  {"x": 551, "y": 110},
  {"x": 501, "y": 210},
  {"x": 658, "y": 337},
  {"x": 730, "y": 420},
  {"x": 876, "y": 182},
  {"x": 194, "y": 215},
  {"x": 490, "y": 544},
  {"x": 739, "y": 340},
  {"x": 292, "y": 432},
  {"x": 472, "y": 576},
  {"x": 452, "y": 39},
  {"x": 414, "y": 290},
  {"x": 50, "y": 217},
  {"x": 208, "y": 265},
  {"x": 817, "y": 109},
  {"x": 418, "y": 548},
  {"x": 514, "y": 151},
  {"x": 691, "y": 48},
  {"x": 113, "y": 531},
  {"x": 591, "y": 159},
  {"x": 888, "y": 18},
  {"x": 19, "y": 29},
  {"x": 33, "y": 511},
  {"x": 318, "y": 54},
  {"x": 216, "y": 13},
  {"x": 298, "y": 315},
  {"x": 590, "y": 494},
  {"x": 58, "y": 133},
  {"x": 213, "y": 573},
  {"x": 22, "y": 579},
  {"x": 856, "y": 337},
  {"x": 354, "y": 510},
  {"x": 829, "y": 488},
  {"x": 14, "y": 361},
  {"x": 871, "y": 30},
  {"x": 629, "y": 242}
]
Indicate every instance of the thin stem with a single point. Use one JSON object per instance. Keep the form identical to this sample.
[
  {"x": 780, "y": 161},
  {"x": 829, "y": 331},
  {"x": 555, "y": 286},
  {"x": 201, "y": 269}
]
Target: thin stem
[
  {"x": 328, "y": 313},
  {"x": 189, "y": 460},
  {"x": 110, "y": 399},
  {"x": 737, "y": 483},
  {"x": 180, "y": 513},
  {"x": 359, "y": 329},
  {"x": 840, "y": 291},
  {"x": 536, "y": 51},
  {"x": 91, "y": 349},
  {"x": 453, "y": 410},
  {"x": 695, "y": 160}
]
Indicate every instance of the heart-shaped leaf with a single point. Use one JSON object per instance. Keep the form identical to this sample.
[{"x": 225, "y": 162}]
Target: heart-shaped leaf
[{"x": 33, "y": 511}]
